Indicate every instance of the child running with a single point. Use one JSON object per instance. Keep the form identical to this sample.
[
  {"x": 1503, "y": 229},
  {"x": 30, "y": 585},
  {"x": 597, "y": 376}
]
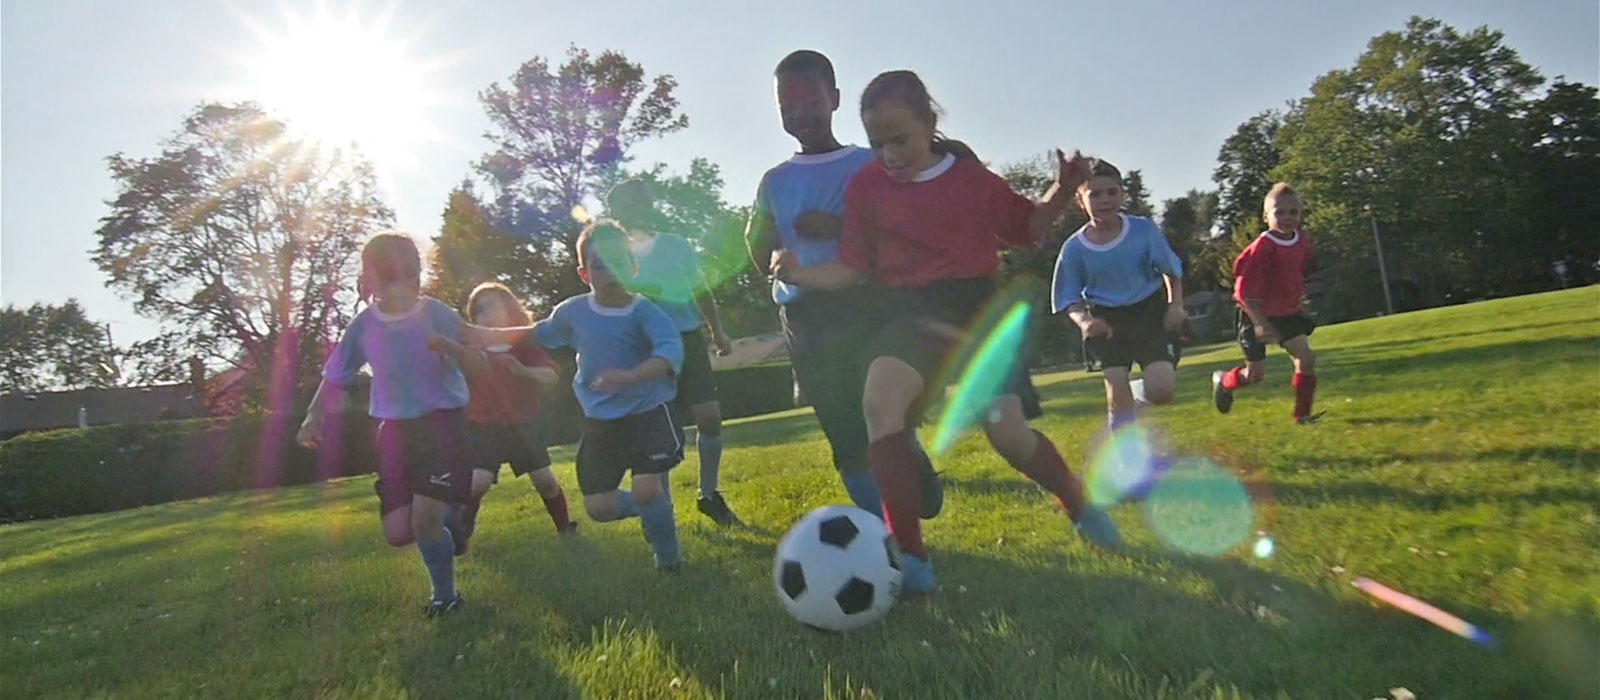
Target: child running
[
  {"x": 1269, "y": 284},
  {"x": 629, "y": 351},
  {"x": 670, "y": 275},
  {"x": 926, "y": 221},
  {"x": 800, "y": 208},
  {"x": 506, "y": 382},
  {"x": 1119, "y": 281},
  {"x": 418, "y": 397}
]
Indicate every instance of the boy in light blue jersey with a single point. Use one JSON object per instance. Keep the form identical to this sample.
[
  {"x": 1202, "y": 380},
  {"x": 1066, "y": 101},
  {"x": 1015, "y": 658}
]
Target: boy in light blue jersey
[
  {"x": 1119, "y": 281},
  {"x": 629, "y": 353},
  {"x": 669, "y": 274}
]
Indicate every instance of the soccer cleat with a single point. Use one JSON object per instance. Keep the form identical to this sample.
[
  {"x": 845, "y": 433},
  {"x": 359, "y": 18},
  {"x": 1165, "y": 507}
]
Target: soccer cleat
[
  {"x": 918, "y": 577},
  {"x": 571, "y": 529},
  {"x": 717, "y": 509},
  {"x": 1097, "y": 528},
  {"x": 1220, "y": 395},
  {"x": 932, "y": 488},
  {"x": 1312, "y": 419},
  {"x": 436, "y": 608}
]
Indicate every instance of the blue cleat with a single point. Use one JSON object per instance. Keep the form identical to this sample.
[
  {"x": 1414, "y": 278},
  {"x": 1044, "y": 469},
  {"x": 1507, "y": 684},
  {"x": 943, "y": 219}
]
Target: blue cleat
[
  {"x": 1097, "y": 528},
  {"x": 918, "y": 578}
]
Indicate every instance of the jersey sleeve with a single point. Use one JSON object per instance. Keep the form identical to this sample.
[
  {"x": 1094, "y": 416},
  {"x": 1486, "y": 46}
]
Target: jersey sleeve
[
  {"x": 445, "y": 320},
  {"x": 1250, "y": 274},
  {"x": 530, "y": 354},
  {"x": 665, "y": 340},
  {"x": 1010, "y": 211},
  {"x": 556, "y": 331},
  {"x": 1162, "y": 256},
  {"x": 857, "y": 249},
  {"x": 1066, "y": 286},
  {"x": 347, "y": 356}
]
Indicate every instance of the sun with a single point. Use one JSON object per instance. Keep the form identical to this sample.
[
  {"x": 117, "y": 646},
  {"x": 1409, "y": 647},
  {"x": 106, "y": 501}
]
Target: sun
[{"x": 343, "y": 80}]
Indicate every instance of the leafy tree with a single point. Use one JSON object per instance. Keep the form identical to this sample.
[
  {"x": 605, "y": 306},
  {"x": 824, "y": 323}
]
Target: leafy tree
[
  {"x": 48, "y": 347},
  {"x": 241, "y": 241},
  {"x": 469, "y": 250}
]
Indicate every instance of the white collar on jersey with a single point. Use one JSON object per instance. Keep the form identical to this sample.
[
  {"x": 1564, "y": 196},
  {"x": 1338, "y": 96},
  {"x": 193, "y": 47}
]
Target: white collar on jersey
[
  {"x": 1268, "y": 235},
  {"x": 938, "y": 168},
  {"x": 403, "y": 315},
  {"x": 820, "y": 158},
  {"x": 1108, "y": 245},
  {"x": 612, "y": 310}
]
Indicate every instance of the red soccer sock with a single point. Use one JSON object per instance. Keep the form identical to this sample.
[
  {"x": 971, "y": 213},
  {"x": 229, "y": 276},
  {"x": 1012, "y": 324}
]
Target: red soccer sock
[
  {"x": 557, "y": 507},
  {"x": 1305, "y": 389},
  {"x": 1235, "y": 378},
  {"x": 894, "y": 466},
  {"x": 1048, "y": 469}
]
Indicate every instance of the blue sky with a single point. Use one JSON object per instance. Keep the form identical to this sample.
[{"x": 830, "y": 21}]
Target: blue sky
[{"x": 1149, "y": 85}]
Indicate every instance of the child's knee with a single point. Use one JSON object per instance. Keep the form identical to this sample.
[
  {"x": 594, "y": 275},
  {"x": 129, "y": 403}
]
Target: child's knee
[
  {"x": 545, "y": 483},
  {"x": 397, "y": 535},
  {"x": 1011, "y": 436},
  {"x": 600, "y": 508},
  {"x": 482, "y": 479},
  {"x": 1158, "y": 393},
  {"x": 883, "y": 415}
]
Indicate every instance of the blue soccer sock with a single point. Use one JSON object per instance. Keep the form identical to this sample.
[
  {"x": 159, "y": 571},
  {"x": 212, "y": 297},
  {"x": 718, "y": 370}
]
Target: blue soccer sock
[
  {"x": 710, "y": 447},
  {"x": 626, "y": 506},
  {"x": 863, "y": 489},
  {"x": 439, "y": 556},
  {"x": 661, "y": 531}
]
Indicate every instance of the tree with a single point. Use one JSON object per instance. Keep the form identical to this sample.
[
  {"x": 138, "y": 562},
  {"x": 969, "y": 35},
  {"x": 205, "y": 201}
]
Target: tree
[
  {"x": 1243, "y": 174},
  {"x": 1563, "y": 134},
  {"x": 1034, "y": 268},
  {"x": 241, "y": 242},
  {"x": 560, "y": 133},
  {"x": 1187, "y": 222},
  {"x": 1138, "y": 195},
  {"x": 47, "y": 347},
  {"x": 469, "y": 250},
  {"x": 1429, "y": 130}
]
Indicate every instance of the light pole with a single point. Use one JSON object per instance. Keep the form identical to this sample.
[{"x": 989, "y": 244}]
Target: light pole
[{"x": 1383, "y": 270}]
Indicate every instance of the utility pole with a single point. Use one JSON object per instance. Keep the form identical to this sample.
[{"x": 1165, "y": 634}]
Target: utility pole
[{"x": 1383, "y": 270}]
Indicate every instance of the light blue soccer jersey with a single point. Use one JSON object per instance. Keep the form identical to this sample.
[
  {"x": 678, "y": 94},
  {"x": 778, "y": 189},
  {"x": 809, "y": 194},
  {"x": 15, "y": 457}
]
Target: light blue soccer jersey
[
  {"x": 408, "y": 379},
  {"x": 615, "y": 338},
  {"x": 808, "y": 182},
  {"x": 1120, "y": 273},
  {"x": 670, "y": 274}
]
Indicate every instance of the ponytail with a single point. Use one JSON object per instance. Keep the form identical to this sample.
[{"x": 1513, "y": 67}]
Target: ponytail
[{"x": 959, "y": 149}]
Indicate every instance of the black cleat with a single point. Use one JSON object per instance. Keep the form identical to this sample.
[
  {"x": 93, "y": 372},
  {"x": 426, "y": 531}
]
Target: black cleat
[
  {"x": 717, "y": 509},
  {"x": 1222, "y": 397},
  {"x": 1312, "y": 419},
  {"x": 436, "y": 608}
]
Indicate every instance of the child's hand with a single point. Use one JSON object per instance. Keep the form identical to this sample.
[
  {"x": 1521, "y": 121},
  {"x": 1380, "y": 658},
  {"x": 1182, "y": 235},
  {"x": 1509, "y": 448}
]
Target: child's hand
[
  {"x": 310, "y": 430},
  {"x": 1266, "y": 333},
  {"x": 1071, "y": 172},
  {"x": 818, "y": 226},
  {"x": 613, "y": 380},
  {"x": 724, "y": 345},
  {"x": 784, "y": 263},
  {"x": 1096, "y": 328},
  {"x": 1175, "y": 318}
]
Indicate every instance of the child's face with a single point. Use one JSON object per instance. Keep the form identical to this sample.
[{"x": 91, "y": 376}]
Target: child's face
[
  {"x": 902, "y": 142},
  {"x": 806, "y": 105},
  {"x": 1283, "y": 213},
  {"x": 1101, "y": 197},
  {"x": 491, "y": 310},
  {"x": 607, "y": 270}
]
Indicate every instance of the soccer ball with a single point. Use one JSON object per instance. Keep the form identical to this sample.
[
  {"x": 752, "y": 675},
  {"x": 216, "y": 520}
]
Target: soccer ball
[{"x": 837, "y": 569}]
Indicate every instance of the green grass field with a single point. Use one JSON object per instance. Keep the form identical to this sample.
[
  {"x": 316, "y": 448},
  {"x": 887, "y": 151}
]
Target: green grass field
[{"x": 1459, "y": 461}]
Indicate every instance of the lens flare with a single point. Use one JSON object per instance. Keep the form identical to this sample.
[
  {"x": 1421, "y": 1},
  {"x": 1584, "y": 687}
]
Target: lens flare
[
  {"x": 991, "y": 365},
  {"x": 1264, "y": 547},
  {"x": 1200, "y": 508},
  {"x": 1125, "y": 467}
]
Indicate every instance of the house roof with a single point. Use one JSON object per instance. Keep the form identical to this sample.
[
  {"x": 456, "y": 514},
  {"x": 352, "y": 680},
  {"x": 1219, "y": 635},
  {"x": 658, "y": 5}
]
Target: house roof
[
  {"x": 20, "y": 412},
  {"x": 754, "y": 350}
]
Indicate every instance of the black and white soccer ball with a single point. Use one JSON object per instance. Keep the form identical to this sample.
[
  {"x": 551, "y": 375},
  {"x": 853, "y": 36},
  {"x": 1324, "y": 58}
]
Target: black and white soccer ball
[{"x": 837, "y": 569}]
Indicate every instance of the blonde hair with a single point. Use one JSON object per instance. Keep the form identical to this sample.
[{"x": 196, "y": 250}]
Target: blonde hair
[{"x": 1281, "y": 189}]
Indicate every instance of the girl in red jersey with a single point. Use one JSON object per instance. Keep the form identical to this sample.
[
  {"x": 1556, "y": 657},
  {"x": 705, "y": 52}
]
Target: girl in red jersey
[
  {"x": 1269, "y": 283},
  {"x": 505, "y": 384},
  {"x": 925, "y": 222}
]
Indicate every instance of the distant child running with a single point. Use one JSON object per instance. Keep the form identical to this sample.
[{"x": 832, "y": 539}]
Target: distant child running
[
  {"x": 506, "y": 382},
  {"x": 1119, "y": 281},
  {"x": 1269, "y": 283}
]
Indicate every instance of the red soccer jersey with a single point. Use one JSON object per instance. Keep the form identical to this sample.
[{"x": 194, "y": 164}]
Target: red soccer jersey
[
  {"x": 948, "y": 224},
  {"x": 1273, "y": 270},
  {"x": 497, "y": 397}
]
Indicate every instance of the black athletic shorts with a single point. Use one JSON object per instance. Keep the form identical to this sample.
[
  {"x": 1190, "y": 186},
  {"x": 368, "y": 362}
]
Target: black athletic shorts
[
  {"x": 1288, "y": 327},
  {"x": 696, "y": 384},
  {"x": 825, "y": 331},
  {"x": 1138, "y": 335},
  {"x": 645, "y": 443},
  {"x": 519, "y": 444},
  {"x": 424, "y": 456}
]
